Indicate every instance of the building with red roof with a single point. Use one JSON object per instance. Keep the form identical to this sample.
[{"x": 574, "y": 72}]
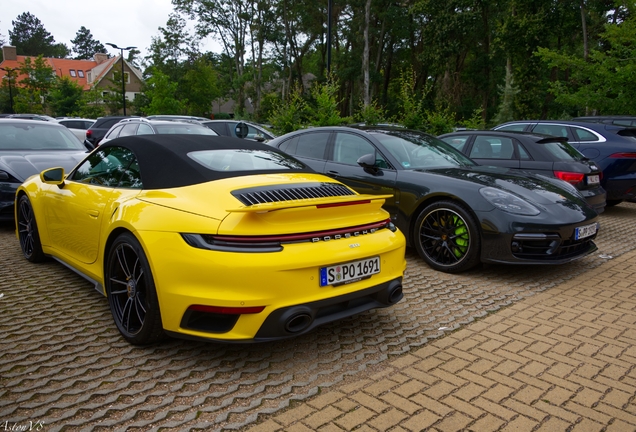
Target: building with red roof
[{"x": 96, "y": 73}]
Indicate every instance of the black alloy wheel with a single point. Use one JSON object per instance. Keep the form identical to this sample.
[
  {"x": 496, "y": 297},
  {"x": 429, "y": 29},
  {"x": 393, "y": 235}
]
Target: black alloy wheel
[
  {"x": 447, "y": 237},
  {"x": 28, "y": 231},
  {"x": 131, "y": 292}
]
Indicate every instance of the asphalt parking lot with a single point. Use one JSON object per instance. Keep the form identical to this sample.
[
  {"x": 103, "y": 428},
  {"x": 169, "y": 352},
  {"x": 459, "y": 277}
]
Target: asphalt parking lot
[{"x": 64, "y": 365}]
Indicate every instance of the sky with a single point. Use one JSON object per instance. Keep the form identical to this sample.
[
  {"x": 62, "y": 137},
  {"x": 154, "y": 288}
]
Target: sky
[{"x": 121, "y": 22}]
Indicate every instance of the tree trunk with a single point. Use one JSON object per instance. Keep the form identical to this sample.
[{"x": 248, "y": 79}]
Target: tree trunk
[{"x": 365, "y": 54}]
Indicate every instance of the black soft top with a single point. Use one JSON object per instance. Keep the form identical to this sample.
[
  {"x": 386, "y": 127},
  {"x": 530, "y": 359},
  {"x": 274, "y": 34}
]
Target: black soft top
[{"x": 164, "y": 162}]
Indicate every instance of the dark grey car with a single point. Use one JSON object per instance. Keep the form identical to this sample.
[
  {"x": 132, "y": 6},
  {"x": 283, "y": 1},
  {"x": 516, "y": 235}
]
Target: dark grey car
[
  {"x": 29, "y": 147},
  {"x": 541, "y": 154}
]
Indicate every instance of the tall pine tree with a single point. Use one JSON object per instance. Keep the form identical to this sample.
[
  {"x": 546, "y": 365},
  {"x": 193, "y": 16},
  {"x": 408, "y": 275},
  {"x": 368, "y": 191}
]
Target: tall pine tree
[
  {"x": 31, "y": 38},
  {"x": 85, "y": 46}
]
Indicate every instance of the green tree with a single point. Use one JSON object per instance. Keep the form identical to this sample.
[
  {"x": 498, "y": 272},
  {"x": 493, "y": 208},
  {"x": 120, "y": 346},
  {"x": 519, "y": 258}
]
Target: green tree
[
  {"x": 34, "y": 87},
  {"x": 606, "y": 83},
  {"x": 85, "y": 46},
  {"x": 325, "y": 111},
  {"x": 200, "y": 84},
  {"x": 31, "y": 38},
  {"x": 289, "y": 116},
  {"x": 65, "y": 97},
  {"x": 92, "y": 104},
  {"x": 161, "y": 92}
]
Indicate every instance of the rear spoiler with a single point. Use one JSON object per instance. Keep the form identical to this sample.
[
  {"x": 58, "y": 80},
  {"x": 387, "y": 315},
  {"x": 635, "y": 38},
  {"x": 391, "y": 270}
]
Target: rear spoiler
[{"x": 317, "y": 202}]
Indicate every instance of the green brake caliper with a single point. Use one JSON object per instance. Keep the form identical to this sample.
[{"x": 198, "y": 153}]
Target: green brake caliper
[{"x": 461, "y": 231}]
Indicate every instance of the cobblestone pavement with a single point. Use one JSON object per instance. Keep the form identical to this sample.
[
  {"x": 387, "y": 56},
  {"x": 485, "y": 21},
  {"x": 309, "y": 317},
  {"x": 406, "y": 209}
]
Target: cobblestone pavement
[{"x": 63, "y": 363}]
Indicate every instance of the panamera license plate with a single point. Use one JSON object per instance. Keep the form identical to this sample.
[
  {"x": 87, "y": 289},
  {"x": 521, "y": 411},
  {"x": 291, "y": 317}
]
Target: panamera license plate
[
  {"x": 593, "y": 179},
  {"x": 584, "y": 231},
  {"x": 349, "y": 272}
]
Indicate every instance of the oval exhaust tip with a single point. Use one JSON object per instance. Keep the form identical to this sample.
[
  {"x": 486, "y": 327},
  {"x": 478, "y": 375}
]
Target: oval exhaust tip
[{"x": 298, "y": 322}]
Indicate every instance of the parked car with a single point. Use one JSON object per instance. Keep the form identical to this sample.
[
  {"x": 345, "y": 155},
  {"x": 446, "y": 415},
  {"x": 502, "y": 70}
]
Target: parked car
[
  {"x": 612, "y": 147},
  {"x": 28, "y": 147},
  {"x": 614, "y": 119},
  {"x": 240, "y": 129},
  {"x": 454, "y": 212},
  {"x": 42, "y": 117},
  {"x": 96, "y": 132},
  {"x": 214, "y": 238},
  {"x": 542, "y": 154},
  {"x": 78, "y": 126},
  {"x": 142, "y": 126}
]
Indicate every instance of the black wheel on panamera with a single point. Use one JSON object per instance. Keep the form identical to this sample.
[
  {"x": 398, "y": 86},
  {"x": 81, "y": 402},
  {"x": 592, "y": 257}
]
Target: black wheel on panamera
[
  {"x": 131, "y": 292},
  {"x": 28, "y": 231},
  {"x": 446, "y": 236}
]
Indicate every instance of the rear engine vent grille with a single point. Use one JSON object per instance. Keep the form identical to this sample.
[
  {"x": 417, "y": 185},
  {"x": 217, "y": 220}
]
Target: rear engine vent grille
[{"x": 279, "y": 193}]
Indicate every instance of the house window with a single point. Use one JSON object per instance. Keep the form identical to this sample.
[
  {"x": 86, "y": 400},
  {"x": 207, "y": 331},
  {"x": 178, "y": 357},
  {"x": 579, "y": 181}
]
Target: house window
[
  {"x": 80, "y": 73},
  {"x": 104, "y": 94},
  {"x": 89, "y": 78},
  {"x": 126, "y": 77},
  {"x": 72, "y": 72}
]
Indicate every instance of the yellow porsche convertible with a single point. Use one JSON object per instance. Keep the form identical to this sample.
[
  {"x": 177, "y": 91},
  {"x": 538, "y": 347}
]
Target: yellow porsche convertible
[{"x": 212, "y": 238}]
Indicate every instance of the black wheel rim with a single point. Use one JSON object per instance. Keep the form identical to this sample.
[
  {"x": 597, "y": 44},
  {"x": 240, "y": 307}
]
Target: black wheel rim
[
  {"x": 444, "y": 237},
  {"x": 26, "y": 225},
  {"x": 127, "y": 289}
]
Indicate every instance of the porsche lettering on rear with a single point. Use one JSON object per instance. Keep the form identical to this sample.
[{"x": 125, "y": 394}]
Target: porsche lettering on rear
[{"x": 341, "y": 236}]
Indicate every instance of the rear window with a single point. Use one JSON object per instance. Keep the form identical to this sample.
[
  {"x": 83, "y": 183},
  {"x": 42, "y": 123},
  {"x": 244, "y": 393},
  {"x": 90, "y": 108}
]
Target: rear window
[
  {"x": 244, "y": 160},
  {"x": 563, "y": 151}
]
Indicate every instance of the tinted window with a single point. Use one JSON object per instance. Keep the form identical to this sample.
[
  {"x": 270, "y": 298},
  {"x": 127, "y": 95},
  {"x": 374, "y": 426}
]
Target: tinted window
[
  {"x": 312, "y": 145},
  {"x": 348, "y": 148},
  {"x": 489, "y": 147},
  {"x": 554, "y": 130},
  {"x": 457, "y": 141},
  {"x": 114, "y": 133},
  {"x": 219, "y": 128},
  {"x": 183, "y": 128},
  {"x": 108, "y": 167},
  {"x": 128, "y": 129},
  {"x": 244, "y": 160},
  {"x": 563, "y": 151},
  {"x": 37, "y": 136},
  {"x": 584, "y": 135},
  {"x": 144, "y": 129},
  {"x": 523, "y": 154},
  {"x": 513, "y": 127}
]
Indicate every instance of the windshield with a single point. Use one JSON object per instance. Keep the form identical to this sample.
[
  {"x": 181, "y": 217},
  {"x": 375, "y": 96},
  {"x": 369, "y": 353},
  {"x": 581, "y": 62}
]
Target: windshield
[
  {"x": 414, "y": 150},
  {"x": 244, "y": 160},
  {"x": 37, "y": 136},
  {"x": 183, "y": 129}
]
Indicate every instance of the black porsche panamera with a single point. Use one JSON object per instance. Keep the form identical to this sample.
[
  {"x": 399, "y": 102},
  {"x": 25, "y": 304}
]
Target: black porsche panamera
[{"x": 454, "y": 212}]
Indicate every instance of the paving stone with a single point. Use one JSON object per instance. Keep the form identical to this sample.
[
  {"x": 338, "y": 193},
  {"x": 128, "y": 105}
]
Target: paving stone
[{"x": 61, "y": 357}]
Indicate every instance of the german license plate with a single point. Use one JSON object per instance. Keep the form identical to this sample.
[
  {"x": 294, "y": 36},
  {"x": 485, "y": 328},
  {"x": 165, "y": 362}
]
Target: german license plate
[
  {"x": 349, "y": 272},
  {"x": 584, "y": 231},
  {"x": 593, "y": 179}
]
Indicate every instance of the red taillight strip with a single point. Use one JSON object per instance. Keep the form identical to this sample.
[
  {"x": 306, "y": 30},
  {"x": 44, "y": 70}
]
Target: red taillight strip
[
  {"x": 623, "y": 155},
  {"x": 227, "y": 310},
  {"x": 304, "y": 236},
  {"x": 343, "y": 204}
]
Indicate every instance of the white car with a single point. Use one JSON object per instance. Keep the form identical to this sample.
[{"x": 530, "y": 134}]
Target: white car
[{"x": 77, "y": 125}]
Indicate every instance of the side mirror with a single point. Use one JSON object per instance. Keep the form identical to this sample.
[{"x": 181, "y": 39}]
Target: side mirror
[
  {"x": 367, "y": 162},
  {"x": 88, "y": 145},
  {"x": 54, "y": 176},
  {"x": 241, "y": 130}
]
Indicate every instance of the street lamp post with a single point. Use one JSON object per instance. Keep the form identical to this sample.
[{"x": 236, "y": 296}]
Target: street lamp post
[
  {"x": 8, "y": 76},
  {"x": 123, "y": 81}
]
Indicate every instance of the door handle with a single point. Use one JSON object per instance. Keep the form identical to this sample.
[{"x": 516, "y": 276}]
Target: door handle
[
  {"x": 93, "y": 213},
  {"x": 333, "y": 173}
]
